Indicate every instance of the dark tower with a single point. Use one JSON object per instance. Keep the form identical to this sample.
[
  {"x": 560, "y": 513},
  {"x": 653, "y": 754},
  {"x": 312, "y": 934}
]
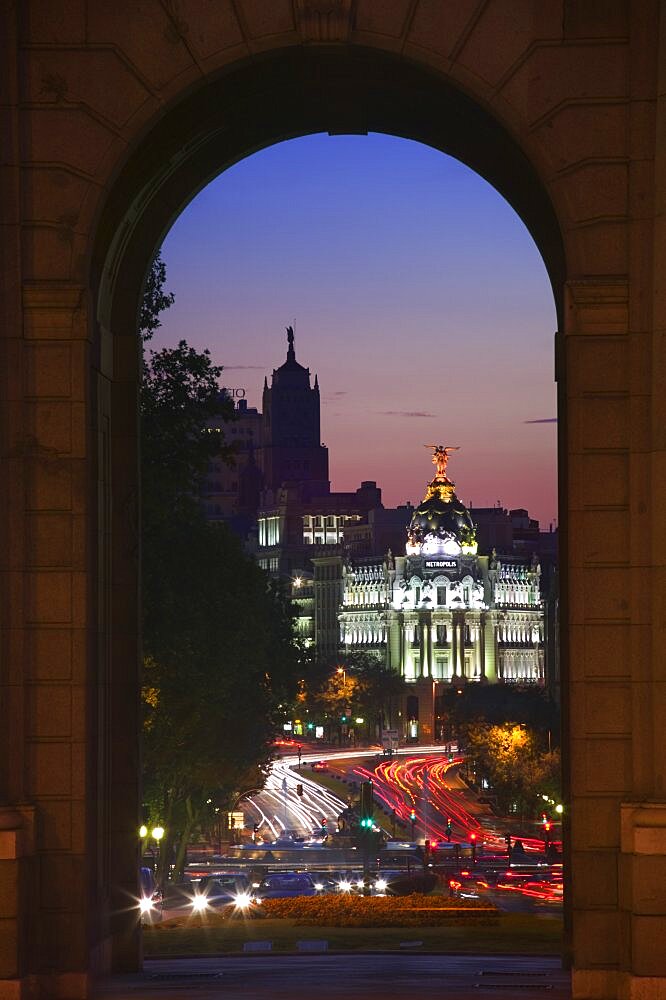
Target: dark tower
[{"x": 292, "y": 451}]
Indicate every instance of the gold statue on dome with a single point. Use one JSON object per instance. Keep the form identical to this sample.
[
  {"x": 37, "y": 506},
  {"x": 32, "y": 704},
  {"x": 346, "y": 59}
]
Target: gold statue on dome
[{"x": 440, "y": 458}]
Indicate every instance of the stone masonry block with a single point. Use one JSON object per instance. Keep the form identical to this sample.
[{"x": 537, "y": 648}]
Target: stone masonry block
[
  {"x": 61, "y": 880},
  {"x": 94, "y": 79},
  {"x": 606, "y": 765},
  {"x": 599, "y": 536},
  {"x": 48, "y": 369},
  {"x": 388, "y": 17},
  {"x": 51, "y": 539},
  {"x": 552, "y": 75},
  {"x": 67, "y": 135},
  {"x": 648, "y": 934},
  {"x": 599, "y": 422},
  {"x": 598, "y": 651},
  {"x": 51, "y": 424},
  {"x": 595, "y": 823},
  {"x": 9, "y": 886},
  {"x": 604, "y": 240},
  {"x": 598, "y": 479},
  {"x": 581, "y": 132},
  {"x": 591, "y": 191},
  {"x": 63, "y": 23},
  {"x": 50, "y": 769},
  {"x": 596, "y": 938},
  {"x": 644, "y": 884},
  {"x": 594, "y": 879},
  {"x": 54, "y": 826},
  {"x": 438, "y": 27},
  {"x": 503, "y": 34},
  {"x": 596, "y": 19},
  {"x": 607, "y": 592},
  {"x": 50, "y": 654},
  {"x": 154, "y": 43},
  {"x": 50, "y": 711},
  {"x": 597, "y": 364},
  {"x": 607, "y": 708},
  {"x": 9, "y": 950},
  {"x": 49, "y": 597},
  {"x": 263, "y": 19}
]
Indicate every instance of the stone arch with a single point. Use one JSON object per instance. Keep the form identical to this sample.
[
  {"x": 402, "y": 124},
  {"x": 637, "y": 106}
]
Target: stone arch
[{"x": 553, "y": 102}]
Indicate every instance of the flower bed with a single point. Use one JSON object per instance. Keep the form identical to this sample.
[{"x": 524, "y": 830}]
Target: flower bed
[{"x": 379, "y": 911}]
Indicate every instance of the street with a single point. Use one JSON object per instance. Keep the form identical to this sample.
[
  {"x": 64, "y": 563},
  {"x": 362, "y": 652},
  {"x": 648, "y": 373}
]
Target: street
[{"x": 324, "y": 977}]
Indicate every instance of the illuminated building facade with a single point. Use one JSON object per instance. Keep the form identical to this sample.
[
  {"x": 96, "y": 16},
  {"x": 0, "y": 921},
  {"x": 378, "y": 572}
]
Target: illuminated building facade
[{"x": 441, "y": 613}]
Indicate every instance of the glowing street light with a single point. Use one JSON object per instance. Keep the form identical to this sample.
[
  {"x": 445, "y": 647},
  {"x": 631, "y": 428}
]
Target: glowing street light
[
  {"x": 143, "y": 831},
  {"x": 157, "y": 833}
]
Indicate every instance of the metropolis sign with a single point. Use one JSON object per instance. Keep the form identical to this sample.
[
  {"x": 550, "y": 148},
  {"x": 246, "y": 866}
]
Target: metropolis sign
[{"x": 441, "y": 564}]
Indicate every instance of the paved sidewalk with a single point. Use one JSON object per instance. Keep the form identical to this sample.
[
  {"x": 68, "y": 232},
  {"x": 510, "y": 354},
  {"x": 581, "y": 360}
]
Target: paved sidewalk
[{"x": 348, "y": 976}]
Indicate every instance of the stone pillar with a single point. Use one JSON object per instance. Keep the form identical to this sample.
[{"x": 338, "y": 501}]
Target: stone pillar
[{"x": 490, "y": 647}]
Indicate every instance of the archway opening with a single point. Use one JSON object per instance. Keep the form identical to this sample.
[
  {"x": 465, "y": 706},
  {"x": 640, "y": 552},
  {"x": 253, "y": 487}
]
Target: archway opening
[{"x": 229, "y": 121}]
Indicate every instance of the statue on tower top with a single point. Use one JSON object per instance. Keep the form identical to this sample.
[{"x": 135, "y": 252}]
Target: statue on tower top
[
  {"x": 290, "y": 336},
  {"x": 440, "y": 458}
]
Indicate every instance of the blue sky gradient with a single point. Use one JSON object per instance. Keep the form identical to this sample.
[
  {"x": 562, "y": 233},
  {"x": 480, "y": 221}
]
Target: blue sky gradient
[{"x": 416, "y": 293}]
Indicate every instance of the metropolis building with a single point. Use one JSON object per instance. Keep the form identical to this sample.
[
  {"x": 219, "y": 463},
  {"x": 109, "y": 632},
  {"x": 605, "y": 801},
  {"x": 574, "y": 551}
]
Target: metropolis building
[{"x": 443, "y": 614}]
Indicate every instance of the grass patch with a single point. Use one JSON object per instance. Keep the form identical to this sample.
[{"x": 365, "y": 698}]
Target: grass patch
[{"x": 511, "y": 933}]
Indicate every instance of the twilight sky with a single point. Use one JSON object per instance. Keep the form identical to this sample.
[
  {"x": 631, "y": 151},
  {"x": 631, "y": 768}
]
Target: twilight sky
[{"x": 416, "y": 294}]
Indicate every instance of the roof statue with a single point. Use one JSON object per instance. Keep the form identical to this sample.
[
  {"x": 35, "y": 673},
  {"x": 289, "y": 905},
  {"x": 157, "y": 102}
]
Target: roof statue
[
  {"x": 440, "y": 458},
  {"x": 441, "y": 524},
  {"x": 290, "y": 335}
]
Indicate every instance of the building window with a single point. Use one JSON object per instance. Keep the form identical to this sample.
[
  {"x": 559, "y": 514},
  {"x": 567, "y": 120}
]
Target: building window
[{"x": 441, "y": 596}]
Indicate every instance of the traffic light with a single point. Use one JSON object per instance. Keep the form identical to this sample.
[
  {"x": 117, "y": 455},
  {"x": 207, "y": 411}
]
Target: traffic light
[
  {"x": 412, "y": 815},
  {"x": 255, "y": 828},
  {"x": 366, "y": 805},
  {"x": 472, "y": 838},
  {"x": 299, "y": 789},
  {"x": 448, "y": 830}
]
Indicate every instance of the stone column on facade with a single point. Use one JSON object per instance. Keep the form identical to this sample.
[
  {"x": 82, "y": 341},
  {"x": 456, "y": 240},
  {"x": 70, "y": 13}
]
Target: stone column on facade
[
  {"x": 477, "y": 668},
  {"x": 454, "y": 646},
  {"x": 490, "y": 647},
  {"x": 461, "y": 649}
]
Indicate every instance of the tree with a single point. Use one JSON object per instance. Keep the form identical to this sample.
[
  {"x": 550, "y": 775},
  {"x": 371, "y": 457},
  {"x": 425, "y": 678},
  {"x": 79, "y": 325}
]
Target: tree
[
  {"x": 155, "y": 300},
  {"x": 213, "y": 680},
  {"x": 509, "y": 757},
  {"x": 358, "y": 685}
]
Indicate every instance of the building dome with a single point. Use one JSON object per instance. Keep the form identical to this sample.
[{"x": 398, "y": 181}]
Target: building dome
[{"x": 441, "y": 524}]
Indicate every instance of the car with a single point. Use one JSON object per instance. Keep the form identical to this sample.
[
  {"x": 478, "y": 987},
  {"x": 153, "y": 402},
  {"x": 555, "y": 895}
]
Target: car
[
  {"x": 150, "y": 898},
  {"x": 285, "y": 885},
  {"x": 214, "y": 890}
]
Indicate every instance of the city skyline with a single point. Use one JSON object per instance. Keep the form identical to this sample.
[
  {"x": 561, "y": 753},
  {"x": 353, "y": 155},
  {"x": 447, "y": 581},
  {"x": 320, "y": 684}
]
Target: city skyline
[{"x": 417, "y": 297}]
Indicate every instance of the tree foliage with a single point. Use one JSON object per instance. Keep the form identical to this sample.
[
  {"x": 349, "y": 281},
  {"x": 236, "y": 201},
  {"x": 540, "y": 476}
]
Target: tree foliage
[
  {"x": 219, "y": 654},
  {"x": 155, "y": 300},
  {"x": 358, "y": 685},
  {"x": 518, "y": 771}
]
